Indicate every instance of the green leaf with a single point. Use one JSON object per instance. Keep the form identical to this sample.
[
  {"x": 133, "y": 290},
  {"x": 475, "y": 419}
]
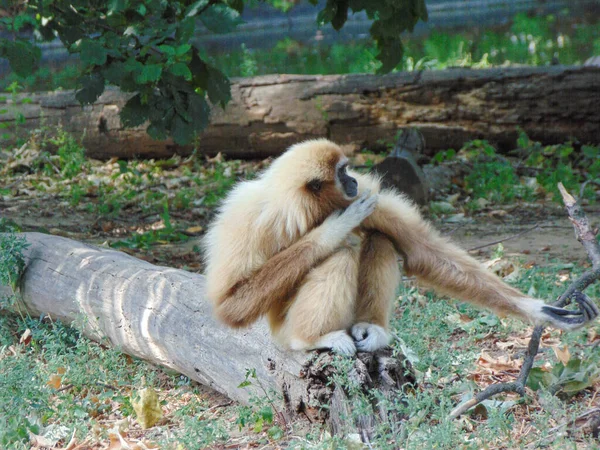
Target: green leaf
[
  {"x": 185, "y": 30},
  {"x": 167, "y": 50},
  {"x": 199, "y": 111},
  {"x": 539, "y": 378},
  {"x": 181, "y": 70},
  {"x": 218, "y": 87},
  {"x": 182, "y": 131},
  {"x": 275, "y": 433},
  {"x": 341, "y": 15},
  {"x": 116, "y": 6},
  {"x": 211, "y": 80},
  {"x": 114, "y": 72},
  {"x": 182, "y": 49},
  {"x": 93, "y": 87},
  {"x": 195, "y": 8},
  {"x": 221, "y": 18},
  {"x": 157, "y": 131},
  {"x": 390, "y": 54},
  {"x": 149, "y": 74},
  {"x": 92, "y": 52},
  {"x": 134, "y": 113},
  {"x": 266, "y": 413},
  {"x": 327, "y": 14},
  {"x": 22, "y": 56},
  {"x": 590, "y": 152}
]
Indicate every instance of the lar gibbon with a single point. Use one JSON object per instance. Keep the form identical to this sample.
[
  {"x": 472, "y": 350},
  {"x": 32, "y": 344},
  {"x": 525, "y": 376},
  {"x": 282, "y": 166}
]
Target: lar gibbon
[{"x": 314, "y": 247}]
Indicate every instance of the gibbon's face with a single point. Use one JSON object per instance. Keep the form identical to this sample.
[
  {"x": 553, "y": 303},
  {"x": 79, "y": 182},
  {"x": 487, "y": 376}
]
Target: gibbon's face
[
  {"x": 318, "y": 168},
  {"x": 324, "y": 165},
  {"x": 348, "y": 185},
  {"x": 337, "y": 184}
]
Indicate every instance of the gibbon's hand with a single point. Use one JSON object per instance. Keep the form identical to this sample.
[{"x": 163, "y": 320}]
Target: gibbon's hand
[
  {"x": 570, "y": 320},
  {"x": 359, "y": 209},
  {"x": 337, "y": 226}
]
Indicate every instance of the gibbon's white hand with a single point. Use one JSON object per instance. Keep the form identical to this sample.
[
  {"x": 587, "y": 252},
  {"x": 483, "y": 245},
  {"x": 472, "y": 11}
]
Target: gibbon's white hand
[{"x": 360, "y": 209}]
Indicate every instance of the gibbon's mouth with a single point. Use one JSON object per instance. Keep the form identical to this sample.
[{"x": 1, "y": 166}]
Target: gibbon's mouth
[
  {"x": 350, "y": 186},
  {"x": 352, "y": 193}
]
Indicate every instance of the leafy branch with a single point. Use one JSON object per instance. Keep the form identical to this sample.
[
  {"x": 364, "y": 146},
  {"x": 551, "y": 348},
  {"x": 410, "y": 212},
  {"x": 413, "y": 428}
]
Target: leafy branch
[{"x": 146, "y": 47}]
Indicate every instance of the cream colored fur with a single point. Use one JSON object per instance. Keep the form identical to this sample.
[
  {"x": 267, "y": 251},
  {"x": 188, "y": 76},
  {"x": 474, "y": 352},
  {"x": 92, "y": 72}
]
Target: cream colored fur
[{"x": 319, "y": 271}]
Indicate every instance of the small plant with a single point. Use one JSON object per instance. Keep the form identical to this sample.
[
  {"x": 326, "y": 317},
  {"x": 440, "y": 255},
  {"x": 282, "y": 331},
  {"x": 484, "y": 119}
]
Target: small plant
[
  {"x": 12, "y": 259},
  {"x": 444, "y": 156},
  {"x": 561, "y": 163},
  {"x": 261, "y": 411},
  {"x": 19, "y": 118},
  {"x": 71, "y": 155},
  {"x": 222, "y": 179},
  {"x": 149, "y": 238},
  {"x": 491, "y": 177}
]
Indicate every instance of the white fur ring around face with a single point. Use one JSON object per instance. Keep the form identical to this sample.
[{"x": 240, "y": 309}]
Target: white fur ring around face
[{"x": 369, "y": 337}]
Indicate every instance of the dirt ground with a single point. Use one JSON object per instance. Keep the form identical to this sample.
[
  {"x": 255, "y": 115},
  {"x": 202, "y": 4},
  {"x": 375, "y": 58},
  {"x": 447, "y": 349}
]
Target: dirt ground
[{"x": 536, "y": 233}]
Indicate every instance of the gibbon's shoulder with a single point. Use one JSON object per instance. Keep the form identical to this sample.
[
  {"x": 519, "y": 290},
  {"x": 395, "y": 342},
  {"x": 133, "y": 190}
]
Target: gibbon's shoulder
[{"x": 243, "y": 193}]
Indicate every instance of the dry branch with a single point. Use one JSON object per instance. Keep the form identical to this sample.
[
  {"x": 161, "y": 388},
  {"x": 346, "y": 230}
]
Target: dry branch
[
  {"x": 161, "y": 315},
  {"x": 587, "y": 237},
  {"x": 269, "y": 113}
]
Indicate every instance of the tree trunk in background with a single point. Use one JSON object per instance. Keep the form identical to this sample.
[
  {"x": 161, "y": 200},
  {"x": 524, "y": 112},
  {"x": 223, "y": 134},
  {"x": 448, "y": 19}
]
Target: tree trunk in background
[
  {"x": 161, "y": 315},
  {"x": 269, "y": 113}
]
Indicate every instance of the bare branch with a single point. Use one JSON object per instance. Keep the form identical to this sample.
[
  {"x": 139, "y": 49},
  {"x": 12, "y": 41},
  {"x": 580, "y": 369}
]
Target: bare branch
[{"x": 587, "y": 236}]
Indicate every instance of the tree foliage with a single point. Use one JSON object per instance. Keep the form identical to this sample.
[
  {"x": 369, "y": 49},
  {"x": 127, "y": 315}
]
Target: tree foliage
[{"x": 146, "y": 47}]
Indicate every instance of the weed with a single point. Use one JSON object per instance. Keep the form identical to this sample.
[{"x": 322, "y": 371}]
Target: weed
[
  {"x": 491, "y": 177},
  {"x": 259, "y": 414},
  {"x": 560, "y": 163},
  {"x": 153, "y": 237},
  {"x": 19, "y": 118},
  {"x": 71, "y": 155},
  {"x": 12, "y": 260},
  {"x": 444, "y": 156},
  {"x": 221, "y": 181}
]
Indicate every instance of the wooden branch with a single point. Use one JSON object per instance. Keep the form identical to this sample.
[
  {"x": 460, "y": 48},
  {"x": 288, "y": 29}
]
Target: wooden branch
[
  {"x": 587, "y": 237},
  {"x": 269, "y": 113},
  {"x": 161, "y": 315}
]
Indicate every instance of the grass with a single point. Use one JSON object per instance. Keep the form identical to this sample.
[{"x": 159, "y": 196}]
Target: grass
[
  {"x": 76, "y": 385},
  {"x": 62, "y": 382}
]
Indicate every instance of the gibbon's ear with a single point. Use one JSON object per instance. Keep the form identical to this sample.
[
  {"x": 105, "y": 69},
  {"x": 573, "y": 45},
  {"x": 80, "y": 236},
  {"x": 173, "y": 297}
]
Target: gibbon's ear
[{"x": 314, "y": 185}]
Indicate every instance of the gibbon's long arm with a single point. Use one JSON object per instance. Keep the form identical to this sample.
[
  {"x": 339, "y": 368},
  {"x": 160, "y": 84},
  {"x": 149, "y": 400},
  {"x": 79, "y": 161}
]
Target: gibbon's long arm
[
  {"x": 274, "y": 281},
  {"x": 451, "y": 271}
]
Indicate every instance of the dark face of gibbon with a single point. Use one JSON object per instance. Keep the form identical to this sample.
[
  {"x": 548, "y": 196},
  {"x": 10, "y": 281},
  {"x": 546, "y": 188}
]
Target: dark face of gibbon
[
  {"x": 349, "y": 184},
  {"x": 329, "y": 190}
]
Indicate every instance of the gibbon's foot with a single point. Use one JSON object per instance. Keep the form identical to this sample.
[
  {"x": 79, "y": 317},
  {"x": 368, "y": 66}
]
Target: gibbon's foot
[
  {"x": 338, "y": 341},
  {"x": 369, "y": 337},
  {"x": 570, "y": 320}
]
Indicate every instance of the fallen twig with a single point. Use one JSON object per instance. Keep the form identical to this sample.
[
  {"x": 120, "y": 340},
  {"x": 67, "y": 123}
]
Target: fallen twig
[
  {"x": 584, "y": 234},
  {"x": 505, "y": 239}
]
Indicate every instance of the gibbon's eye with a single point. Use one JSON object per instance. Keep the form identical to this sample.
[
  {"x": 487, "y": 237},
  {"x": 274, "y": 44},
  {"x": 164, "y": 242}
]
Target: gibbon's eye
[{"x": 315, "y": 185}]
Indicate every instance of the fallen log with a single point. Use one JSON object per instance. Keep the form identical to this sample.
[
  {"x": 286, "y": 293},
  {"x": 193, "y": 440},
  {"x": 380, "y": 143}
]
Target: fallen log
[
  {"x": 269, "y": 113},
  {"x": 160, "y": 314}
]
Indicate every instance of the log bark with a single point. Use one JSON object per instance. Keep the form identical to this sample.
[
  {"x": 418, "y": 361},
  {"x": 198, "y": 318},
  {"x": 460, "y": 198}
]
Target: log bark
[
  {"x": 268, "y": 113},
  {"x": 161, "y": 315}
]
